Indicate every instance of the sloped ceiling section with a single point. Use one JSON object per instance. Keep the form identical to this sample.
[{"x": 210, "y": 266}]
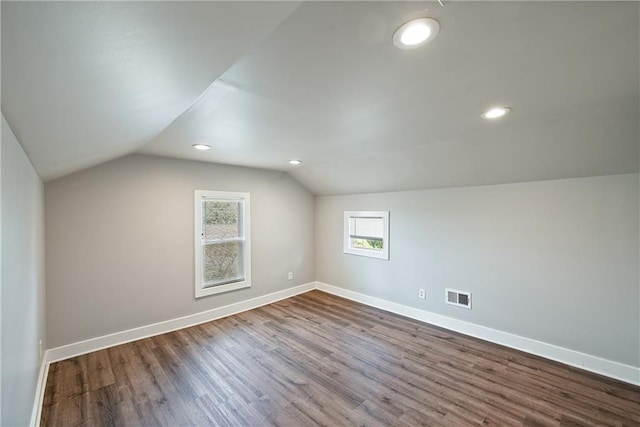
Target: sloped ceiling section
[
  {"x": 85, "y": 82},
  {"x": 266, "y": 82},
  {"x": 328, "y": 87}
]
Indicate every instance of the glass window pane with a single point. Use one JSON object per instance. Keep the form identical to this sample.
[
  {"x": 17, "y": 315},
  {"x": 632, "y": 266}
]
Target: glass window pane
[
  {"x": 221, "y": 219},
  {"x": 223, "y": 263},
  {"x": 372, "y": 244},
  {"x": 367, "y": 227},
  {"x": 366, "y": 233}
]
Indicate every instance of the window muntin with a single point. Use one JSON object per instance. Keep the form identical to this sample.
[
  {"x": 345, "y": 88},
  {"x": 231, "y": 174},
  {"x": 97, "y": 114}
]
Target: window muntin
[
  {"x": 222, "y": 242},
  {"x": 366, "y": 233}
]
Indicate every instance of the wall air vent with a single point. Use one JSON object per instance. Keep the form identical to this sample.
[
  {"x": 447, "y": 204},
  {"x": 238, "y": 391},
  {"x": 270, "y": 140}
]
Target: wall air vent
[{"x": 457, "y": 298}]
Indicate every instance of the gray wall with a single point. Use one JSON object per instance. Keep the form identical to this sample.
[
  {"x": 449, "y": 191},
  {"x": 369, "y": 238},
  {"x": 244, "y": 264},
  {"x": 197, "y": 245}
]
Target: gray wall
[
  {"x": 555, "y": 261},
  {"x": 119, "y": 243},
  {"x": 23, "y": 293}
]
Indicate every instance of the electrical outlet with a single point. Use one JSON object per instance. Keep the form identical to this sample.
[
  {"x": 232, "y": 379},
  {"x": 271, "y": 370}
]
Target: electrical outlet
[
  {"x": 422, "y": 293},
  {"x": 290, "y": 275}
]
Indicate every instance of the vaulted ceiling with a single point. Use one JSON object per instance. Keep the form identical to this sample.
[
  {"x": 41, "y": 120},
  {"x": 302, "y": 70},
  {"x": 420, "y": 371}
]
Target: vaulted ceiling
[{"x": 265, "y": 82}]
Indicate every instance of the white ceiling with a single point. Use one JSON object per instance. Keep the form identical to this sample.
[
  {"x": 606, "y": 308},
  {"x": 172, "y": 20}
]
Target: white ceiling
[{"x": 86, "y": 82}]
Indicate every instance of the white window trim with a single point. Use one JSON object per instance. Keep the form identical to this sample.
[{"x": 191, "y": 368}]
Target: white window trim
[
  {"x": 200, "y": 289},
  {"x": 348, "y": 249}
]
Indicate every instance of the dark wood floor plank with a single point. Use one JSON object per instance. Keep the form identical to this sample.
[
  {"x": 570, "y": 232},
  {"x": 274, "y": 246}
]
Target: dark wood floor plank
[
  {"x": 100, "y": 367},
  {"x": 317, "y": 359}
]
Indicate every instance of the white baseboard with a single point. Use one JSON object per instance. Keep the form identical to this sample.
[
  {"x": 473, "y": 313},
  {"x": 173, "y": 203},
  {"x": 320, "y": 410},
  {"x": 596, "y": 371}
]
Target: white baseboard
[
  {"x": 76, "y": 349},
  {"x": 36, "y": 412},
  {"x": 619, "y": 371},
  {"x": 99, "y": 343}
]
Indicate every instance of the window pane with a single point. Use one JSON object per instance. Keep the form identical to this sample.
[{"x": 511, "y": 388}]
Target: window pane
[
  {"x": 366, "y": 233},
  {"x": 221, "y": 220},
  {"x": 372, "y": 244},
  {"x": 367, "y": 227},
  {"x": 223, "y": 263}
]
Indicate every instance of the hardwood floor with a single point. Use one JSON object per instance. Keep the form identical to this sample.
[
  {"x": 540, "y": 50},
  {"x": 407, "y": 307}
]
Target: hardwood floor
[{"x": 317, "y": 359}]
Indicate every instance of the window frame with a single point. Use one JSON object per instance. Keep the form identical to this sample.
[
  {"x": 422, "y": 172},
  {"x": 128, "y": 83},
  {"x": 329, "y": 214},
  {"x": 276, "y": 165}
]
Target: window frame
[
  {"x": 349, "y": 249},
  {"x": 201, "y": 290}
]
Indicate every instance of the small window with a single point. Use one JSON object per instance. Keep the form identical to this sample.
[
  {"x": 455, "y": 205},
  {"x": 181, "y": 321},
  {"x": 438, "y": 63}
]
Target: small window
[
  {"x": 222, "y": 242},
  {"x": 366, "y": 233}
]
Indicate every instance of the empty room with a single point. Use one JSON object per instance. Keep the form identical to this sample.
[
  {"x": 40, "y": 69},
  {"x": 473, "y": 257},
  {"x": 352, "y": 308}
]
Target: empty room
[{"x": 320, "y": 213}]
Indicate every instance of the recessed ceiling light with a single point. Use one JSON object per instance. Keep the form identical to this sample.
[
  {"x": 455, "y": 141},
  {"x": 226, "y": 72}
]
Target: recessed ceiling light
[
  {"x": 295, "y": 162},
  {"x": 496, "y": 113},
  {"x": 201, "y": 147},
  {"x": 416, "y": 33}
]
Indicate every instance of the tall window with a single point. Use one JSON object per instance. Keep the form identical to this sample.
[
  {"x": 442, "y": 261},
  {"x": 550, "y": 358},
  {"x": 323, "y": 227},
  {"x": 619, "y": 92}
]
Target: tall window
[
  {"x": 222, "y": 242},
  {"x": 366, "y": 233}
]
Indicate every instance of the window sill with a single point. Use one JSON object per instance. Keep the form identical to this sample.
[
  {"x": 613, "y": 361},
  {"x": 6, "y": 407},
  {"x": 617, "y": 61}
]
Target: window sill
[{"x": 213, "y": 290}]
